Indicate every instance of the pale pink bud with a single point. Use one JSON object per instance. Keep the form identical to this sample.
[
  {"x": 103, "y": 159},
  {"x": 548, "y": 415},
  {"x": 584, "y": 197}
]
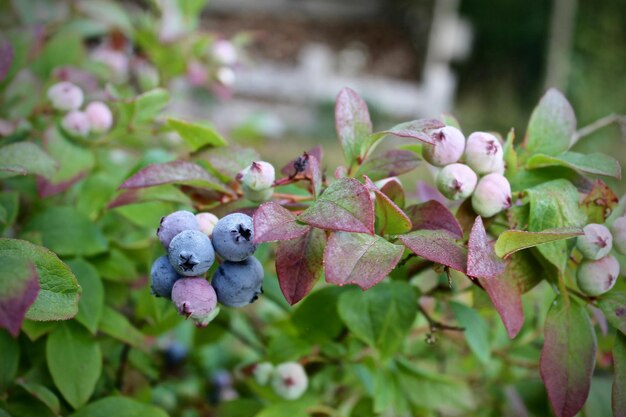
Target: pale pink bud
[
  {"x": 597, "y": 277},
  {"x": 194, "y": 298},
  {"x": 483, "y": 153},
  {"x": 65, "y": 96},
  {"x": 290, "y": 380},
  {"x": 76, "y": 123},
  {"x": 207, "y": 222},
  {"x": 596, "y": 242},
  {"x": 456, "y": 181},
  {"x": 619, "y": 234},
  {"x": 492, "y": 195},
  {"x": 224, "y": 52},
  {"x": 100, "y": 116},
  {"x": 448, "y": 148}
]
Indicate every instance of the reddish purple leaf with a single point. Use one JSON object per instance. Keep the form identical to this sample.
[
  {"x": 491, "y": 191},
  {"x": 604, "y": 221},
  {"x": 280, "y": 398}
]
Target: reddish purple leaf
[
  {"x": 482, "y": 261},
  {"x": 352, "y": 122},
  {"x": 18, "y": 291},
  {"x": 345, "y": 206},
  {"x": 439, "y": 246},
  {"x": 393, "y": 189},
  {"x": 417, "y": 129},
  {"x": 507, "y": 300},
  {"x": 272, "y": 223},
  {"x": 299, "y": 264},
  {"x": 613, "y": 305},
  {"x": 432, "y": 215},
  {"x": 176, "y": 172},
  {"x": 390, "y": 219},
  {"x": 361, "y": 259},
  {"x": 47, "y": 188},
  {"x": 568, "y": 356},
  {"x": 618, "y": 399},
  {"x": 290, "y": 168},
  {"x": 314, "y": 174},
  {"x": 6, "y": 58},
  {"x": 389, "y": 164},
  {"x": 600, "y": 319}
]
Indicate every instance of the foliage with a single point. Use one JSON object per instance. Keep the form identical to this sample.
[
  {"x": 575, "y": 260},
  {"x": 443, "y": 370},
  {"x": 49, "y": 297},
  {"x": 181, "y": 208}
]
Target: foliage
[{"x": 85, "y": 337}]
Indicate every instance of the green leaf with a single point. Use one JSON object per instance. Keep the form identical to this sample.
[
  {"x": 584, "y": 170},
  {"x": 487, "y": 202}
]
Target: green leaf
[
  {"x": 119, "y": 406},
  {"x": 381, "y": 316},
  {"x": 92, "y": 298},
  {"x": 35, "y": 329},
  {"x": 512, "y": 241},
  {"x": 434, "y": 391},
  {"x": 115, "y": 266},
  {"x": 10, "y": 349},
  {"x": 10, "y": 202},
  {"x": 510, "y": 154},
  {"x": 197, "y": 135},
  {"x": 554, "y": 204},
  {"x": 551, "y": 125},
  {"x": 73, "y": 160},
  {"x": 593, "y": 163},
  {"x": 389, "y": 164},
  {"x": 568, "y": 356},
  {"x": 18, "y": 290},
  {"x": 58, "y": 288},
  {"x": 353, "y": 124},
  {"x": 24, "y": 158},
  {"x": 284, "y": 347},
  {"x": 390, "y": 219},
  {"x": 227, "y": 161},
  {"x": 61, "y": 50},
  {"x": 317, "y": 318},
  {"x": 599, "y": 203},
  {"x": 109, "y": 13},
  {"x": 116, "y": 325},
  {"x": 148, "y": 105},
  {"x": 66, "y": 231},
  {"x": 359, "y": 258},
  {"x": 476, "y": 331},
  {"x": 43, "y": 394},
  {"x": 613, "y": 305},
  {"x": 619, "y": 376},
  {"x": 75, "y": 362}
]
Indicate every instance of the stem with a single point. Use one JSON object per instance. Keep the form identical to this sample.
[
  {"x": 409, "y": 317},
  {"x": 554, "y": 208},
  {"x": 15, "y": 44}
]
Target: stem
[
  {"x": 599, "y": 124},
  {"x": 293, "y": 198},
  {"x": 119, "y": 375},
  {"x": 563, "y": 288},
  {"x": 586, "y": 298},
  {"x": 436, "y": 325}
]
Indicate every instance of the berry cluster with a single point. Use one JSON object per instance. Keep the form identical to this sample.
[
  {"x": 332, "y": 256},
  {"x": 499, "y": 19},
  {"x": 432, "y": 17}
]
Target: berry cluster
[
  {"x": 598, "y": 271},
  {"x": 68, "y": 97},
  {"x": 257, "y": 181},
  {"x": 483, "y": 155},
  {"x": 192, "y": 242},
  {"x": 289, "y": 379}
]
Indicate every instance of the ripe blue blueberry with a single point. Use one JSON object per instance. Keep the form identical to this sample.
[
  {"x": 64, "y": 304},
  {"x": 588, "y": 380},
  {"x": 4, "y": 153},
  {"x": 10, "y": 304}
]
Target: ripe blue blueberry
[
  {"x": 233, "y": 237},
  {"x": 191, "y": 253},
  {"x": 162, "y": 277},
  {"x": 174, "y": 223},
  {"x": 238, "y": 283}
]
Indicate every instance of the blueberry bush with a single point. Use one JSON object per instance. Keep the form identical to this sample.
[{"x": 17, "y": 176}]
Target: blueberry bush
[{"x": 139, "y": 278}]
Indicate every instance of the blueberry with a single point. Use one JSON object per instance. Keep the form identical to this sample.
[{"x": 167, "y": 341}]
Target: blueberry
[
  {"x": 233, "y": 237},
  {"x": 175, "y": 354},
  {"x": 191, "y": 253},
  {"x": 174, "y": 223},
  {"x": 238, "y": 283},
  {"x": 195, "y": 298},
  {"x": 162, "y": 277}
]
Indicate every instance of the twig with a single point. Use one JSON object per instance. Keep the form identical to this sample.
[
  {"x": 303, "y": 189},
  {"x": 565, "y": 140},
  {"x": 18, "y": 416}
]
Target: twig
[
  {"x": 436, "y": 325},
  {"x": 599, "y": 124},
  {"x": 119, "y": 375}
]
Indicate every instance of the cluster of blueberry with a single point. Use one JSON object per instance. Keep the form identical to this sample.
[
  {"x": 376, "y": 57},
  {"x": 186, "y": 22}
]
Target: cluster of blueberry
[
  {"x": 68, "y": 97},
  {"x": 289, "y": 379},
  {"x": 598, "y": 271},
  {"x": 192, "y": 242},
  {"x": 483, "y": 155}
]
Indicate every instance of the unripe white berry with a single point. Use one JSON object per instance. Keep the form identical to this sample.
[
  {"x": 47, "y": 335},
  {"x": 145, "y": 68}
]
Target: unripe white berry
[
  {"x": 619, "y": 234},
  {"x": 224, "y": 52},
  {"x": 596, "y": 242},
  {"x": 100, "y": 116},
  {"x": 260, "y": 196},
  {"x": 289, "y": 380},
  {"x": 597, "y": 277},
  {"x": 226, "y": 76},
  {"x": 456, "y": 181},
  {"x": 76, "y": 123},
  {"x": 448, "y": 148},
  {"x": 483, "y": 153},
  {"x": 492, "y": 195},
  {"x": 258, "y": 176},
  {"x": 207, "y": 222},
  {"x": 262, "y": 372},
  {"x": 65, "y": 96}
]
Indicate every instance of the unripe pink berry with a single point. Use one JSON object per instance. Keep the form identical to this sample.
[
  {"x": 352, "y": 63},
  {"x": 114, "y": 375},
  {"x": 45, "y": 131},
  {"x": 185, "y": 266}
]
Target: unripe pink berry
[
  {"x": 492, "y": 195},
  {"x": 597, "y": 277},
  {"x": 290, "y": 380},
  {"x": 258, "y": 176},
  {"x": 484, "y": 153},
  {"x": 100, "y": 116},
  {"x": 65, "y": 96},
  {"x": 596, "y": 242},
  {"x": 76, "y": 123},
  {"x": 456, "y": 181},
  {"x": 619, "y": 234},
  {"x": 194, "y": 298},
  {"x": 197, "y": 73},
  {"x": 116, "y": 61},
  {"x": 207, "y": 222},
  {"x": 448, "y": 148},
  {"x": 224, "y": 52}
]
